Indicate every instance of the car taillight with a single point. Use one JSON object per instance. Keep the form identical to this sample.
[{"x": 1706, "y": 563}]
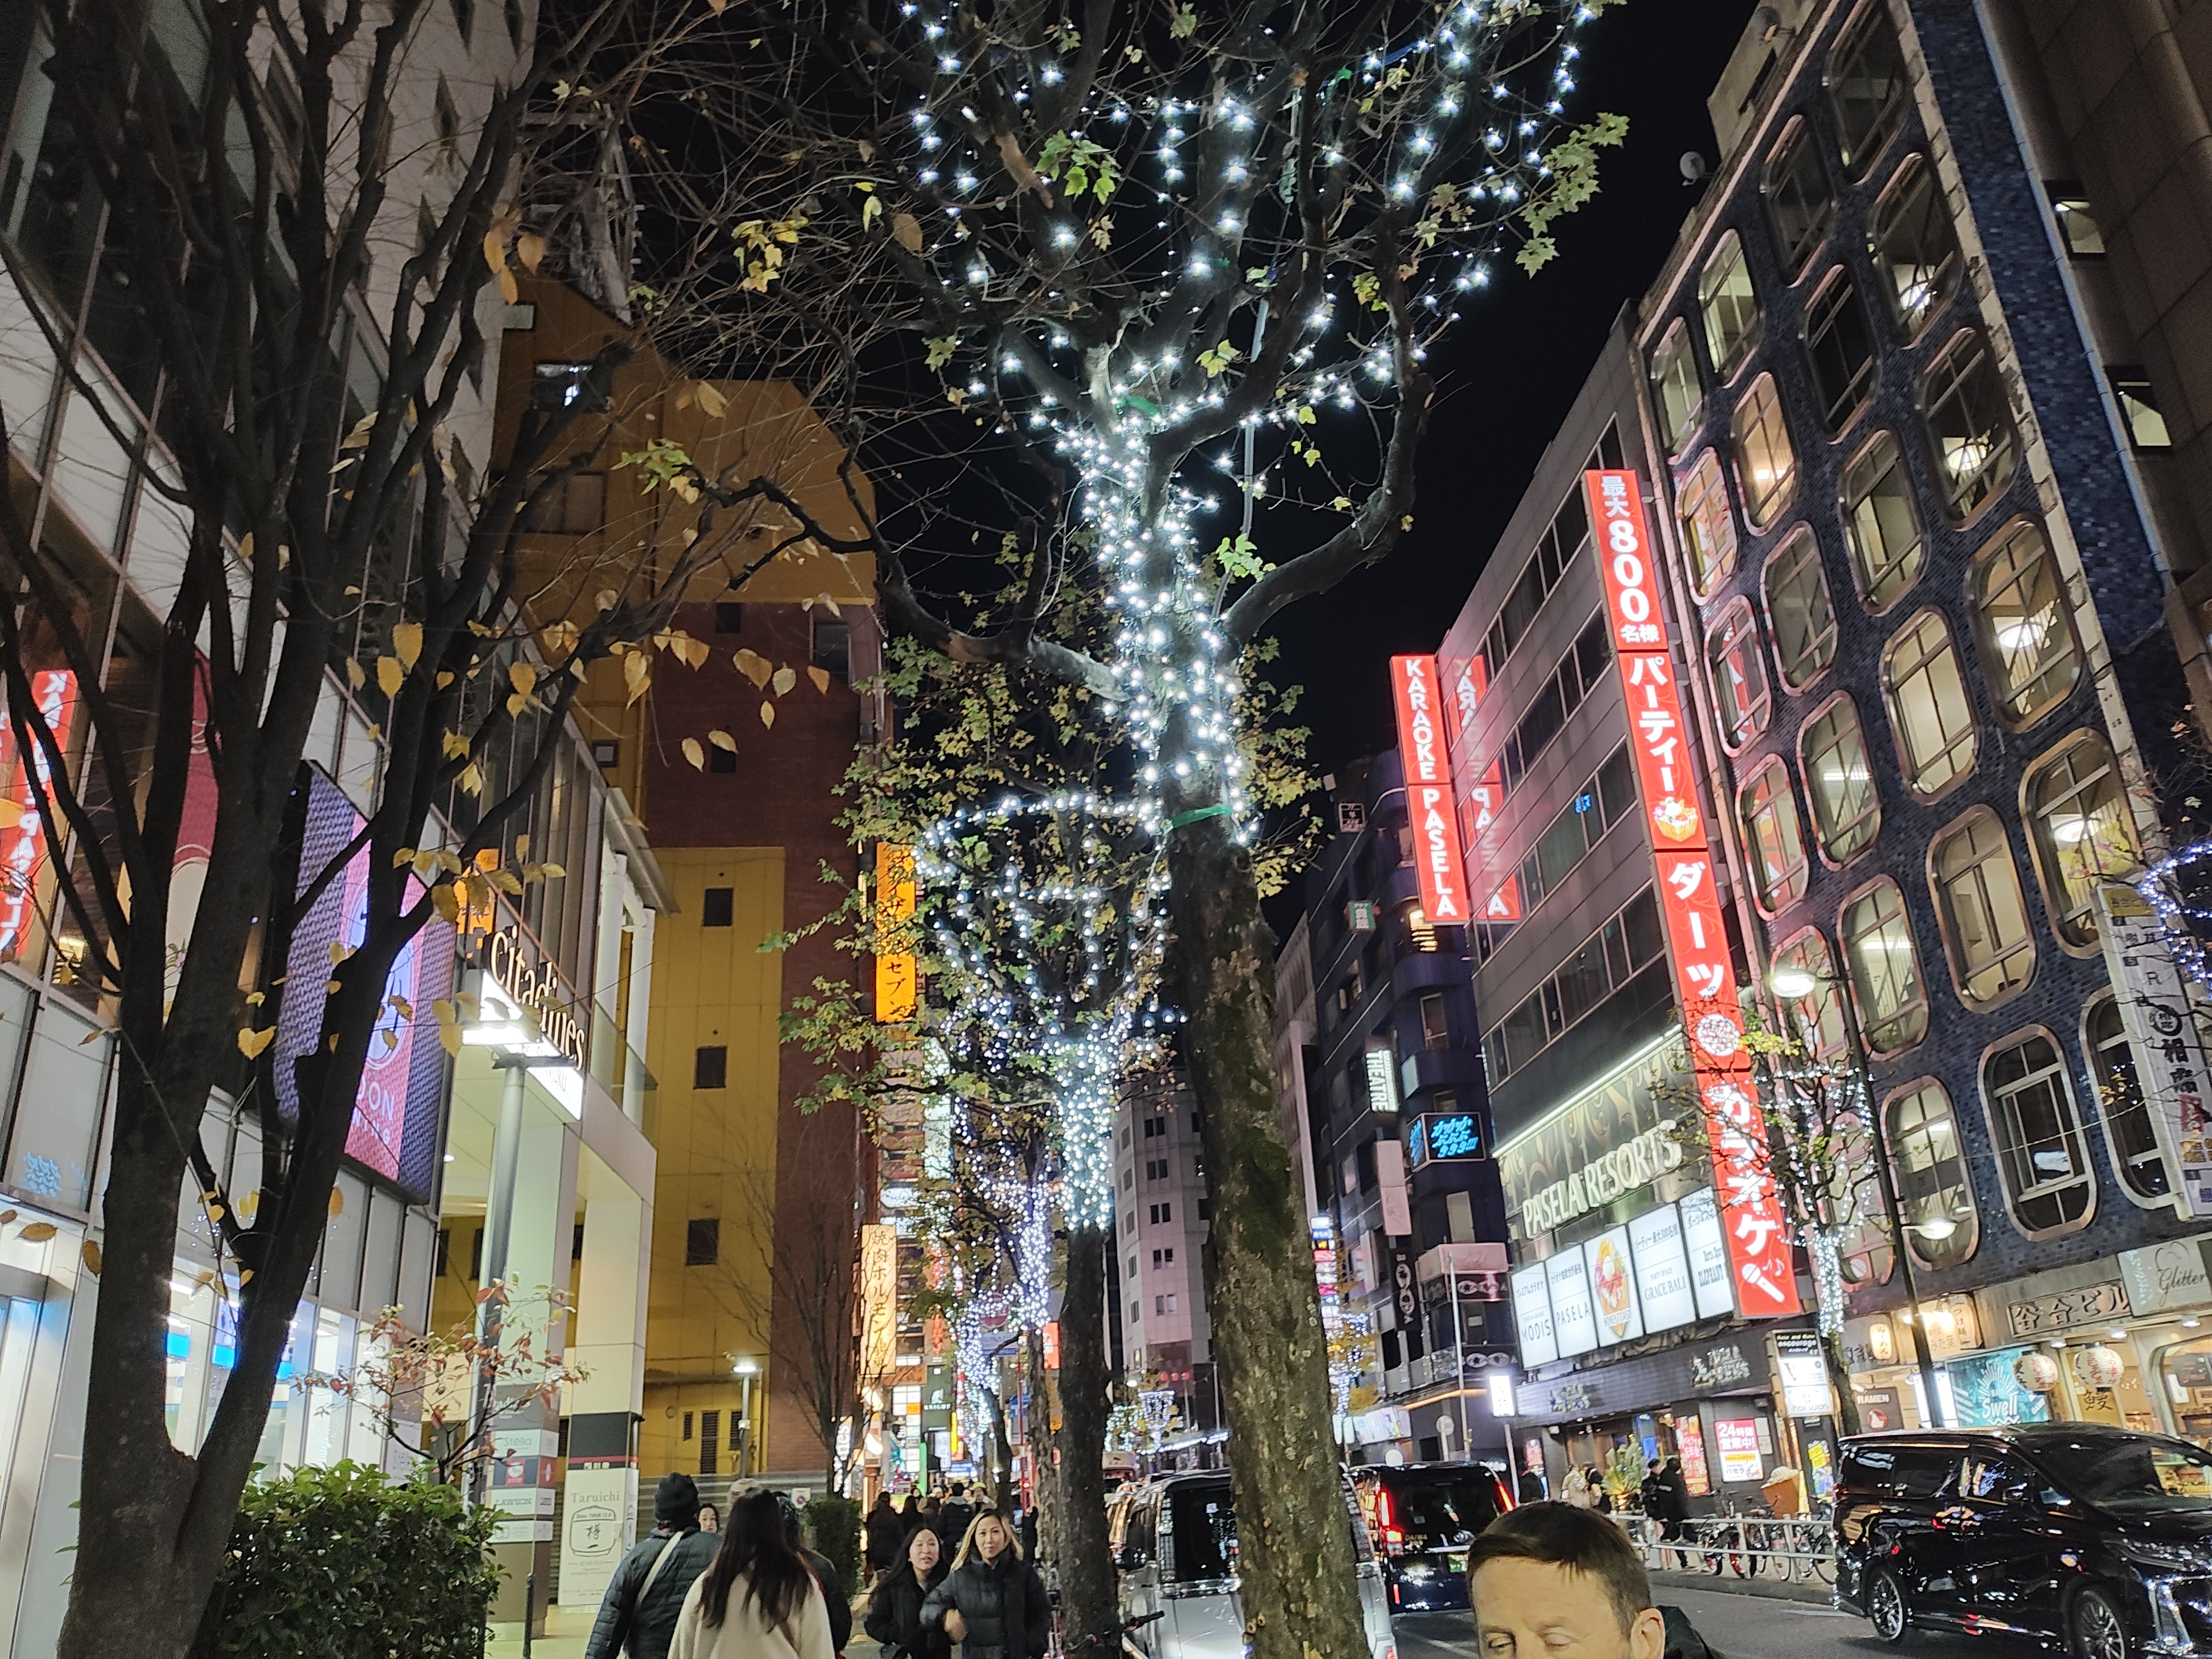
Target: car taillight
[{"x": 1386, "y": 1515}]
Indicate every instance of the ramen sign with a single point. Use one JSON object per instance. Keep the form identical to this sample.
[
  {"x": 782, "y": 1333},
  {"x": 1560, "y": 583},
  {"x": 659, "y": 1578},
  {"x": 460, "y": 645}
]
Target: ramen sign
[{"x": 1750, "y": 1211}]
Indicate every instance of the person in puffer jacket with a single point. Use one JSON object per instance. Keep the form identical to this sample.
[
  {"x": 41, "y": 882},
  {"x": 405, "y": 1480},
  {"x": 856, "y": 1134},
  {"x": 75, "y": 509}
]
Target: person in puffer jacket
[
  {"x": 638, "y": 1617},
  {"x": 992, "y": 1603}
]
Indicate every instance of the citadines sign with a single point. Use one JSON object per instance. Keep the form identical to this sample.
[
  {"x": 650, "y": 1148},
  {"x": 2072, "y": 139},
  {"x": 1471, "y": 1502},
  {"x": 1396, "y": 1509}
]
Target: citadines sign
[
  {"x": 1750, "y": 1211},
  {"x": 1429, "y": 790}
]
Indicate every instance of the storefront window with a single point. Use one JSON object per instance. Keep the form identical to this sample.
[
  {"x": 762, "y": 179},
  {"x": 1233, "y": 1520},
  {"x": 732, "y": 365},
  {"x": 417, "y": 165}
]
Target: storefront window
[
  {"x": 1934, "y": 1193},
  {"x": 2128, "y": 1127},
  {"x": 2107, "y": 1387},
  {"x": 2037, "y": 1134},
  {"x": 1886, "y": 547},
  {"x": 2185, "y": 1371},
  {"x": 1799, "y": 611}
]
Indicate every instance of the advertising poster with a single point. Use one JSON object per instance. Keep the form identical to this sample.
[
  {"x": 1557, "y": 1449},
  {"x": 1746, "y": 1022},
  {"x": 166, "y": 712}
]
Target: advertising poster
[
  {"x": 1662, "y": 1269},
  {"x": 1737, "y": 1439},
  {"x": 1690, "y": 1436},
  {"x": 1613, "y": 1287},
  {"x": 1574, "y": 1323},
  {"x": 1532, "y": 1318},
  {"x": 1709, "y": 1257}
]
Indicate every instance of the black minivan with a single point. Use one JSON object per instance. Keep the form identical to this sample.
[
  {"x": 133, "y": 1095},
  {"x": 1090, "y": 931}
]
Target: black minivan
[
  {"x": 1423, "y": 1517},
  {"x": 2098, "y": 1539}
]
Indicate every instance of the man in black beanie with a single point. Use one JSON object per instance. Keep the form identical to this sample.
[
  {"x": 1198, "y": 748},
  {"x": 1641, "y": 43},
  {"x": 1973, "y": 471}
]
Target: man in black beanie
[{"x": 639, "y": 1613}]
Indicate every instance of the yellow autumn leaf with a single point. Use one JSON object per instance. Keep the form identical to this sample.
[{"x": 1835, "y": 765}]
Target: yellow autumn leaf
[
  {"x": 337, "y": 1201},
  {"x": 390, "y": 676},
  {"x": 90, "y": 1251},
  {"x": 637, "y": 674},
  {"x": 906, "y": 231},
  {"x": 355, "y": 677},
  {"x": 820, "y": 676},
  {"x": 768, "y": 714},
  {"x": 455, "y": 745},
  {"x": 522, "y": 677},
  {"x": 509, "y": 289},
  {"x": 407, "y": 642},
  {"x": 695, "y": 754},
  {"x": 530, "y": 248},
  {"x": 494, "y": 248},
  {"x": 722, "y": 739},
  {"x": 553, "y": 872},
  {"x": 447, "y": 902},
  {"x": 710, "y": 398},
  {"x": 753, "y": 666},
  {"x": 250, "y": 1043},
  {"x": 786, "y": 678},
  {"x": 38, "y": 1232},
  {"x": 472, "y": 780}
]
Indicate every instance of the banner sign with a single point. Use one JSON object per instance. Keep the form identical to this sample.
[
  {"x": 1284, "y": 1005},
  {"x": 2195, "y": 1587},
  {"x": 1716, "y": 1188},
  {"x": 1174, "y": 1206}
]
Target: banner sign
[
  {"x": 1429, "y": 792},
  {"x": 894, "y": 970},
  {"x": 23, "y": 842},
  {"x": 2171, "y": 1064},
  {"x": 1751, "y": 1210}
]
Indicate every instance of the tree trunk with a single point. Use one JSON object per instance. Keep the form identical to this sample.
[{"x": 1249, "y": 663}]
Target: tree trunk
[
  {"x": 1088, "y": 1599},
  {"x": 1839, "y": 1380},
  {"x": 1044, "y": 1475},
  {"x": 1301, "y": 1598}
]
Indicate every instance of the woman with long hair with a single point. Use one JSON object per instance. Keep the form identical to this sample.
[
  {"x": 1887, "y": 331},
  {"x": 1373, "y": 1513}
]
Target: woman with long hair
[
  {"x": 992, "y": 1603},
  {"x": 895, "y": 1605},
  {"x": 758, "y": 1598}
]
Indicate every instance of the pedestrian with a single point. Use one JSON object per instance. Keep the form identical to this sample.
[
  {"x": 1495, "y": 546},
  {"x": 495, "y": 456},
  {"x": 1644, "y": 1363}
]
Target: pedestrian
[
  {"x": 639, "y": 1613},
  {"x": 1575, "y": 1489},
  {"x": 710, "y": 1518},
  {"x": 955, "y": 1513},
  {"x": 992, "y": 1603},
  {"x": 886, "y": 1534},
  {"x": 1601, "y": 1501},
  {"x": 910, "y": 1511},
  {"x": 1027, "y": 1532},
  {"x": 1552, "y": 1579},
  {"x": 1530, "y": 1488},
  {"x": 1678, "y": 1484},
  {"x": 825, "y": 1574},
  {"x": 1648, "y": 1492},
  {"x": 759, "y": 1599},
  {"x": 894, "y": 1616}
]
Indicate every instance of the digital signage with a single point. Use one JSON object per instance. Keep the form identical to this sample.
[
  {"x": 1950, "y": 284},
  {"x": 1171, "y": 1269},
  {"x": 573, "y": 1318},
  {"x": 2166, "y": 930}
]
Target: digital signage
[
  {"x": 1662, "y": 1269},
  {"x": 1574, "y": 1321}
]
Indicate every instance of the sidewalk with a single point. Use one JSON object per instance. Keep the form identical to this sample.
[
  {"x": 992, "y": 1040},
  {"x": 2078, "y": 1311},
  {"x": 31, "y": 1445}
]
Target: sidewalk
[
  {"x": 1774, "y": 1589},
  {"x": 567, "y": 1630}
]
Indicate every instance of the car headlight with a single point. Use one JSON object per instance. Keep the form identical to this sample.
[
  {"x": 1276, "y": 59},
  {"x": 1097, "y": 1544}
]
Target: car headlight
[{"x": 2168, "y": 1557}]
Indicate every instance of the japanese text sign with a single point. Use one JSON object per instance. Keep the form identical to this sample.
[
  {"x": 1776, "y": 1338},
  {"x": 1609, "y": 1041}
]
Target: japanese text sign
[
  {"x": 1750, "y": 1211},
  {"x": 1429, "y": 790},
  {"x": 23, "y": 844},
  {"x": 2172, "y": 1065},
  {"x": 894, "y": 899}
]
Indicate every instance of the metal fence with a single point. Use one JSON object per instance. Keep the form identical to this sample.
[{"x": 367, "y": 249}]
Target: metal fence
[{"x": 1800, "y": 1548}]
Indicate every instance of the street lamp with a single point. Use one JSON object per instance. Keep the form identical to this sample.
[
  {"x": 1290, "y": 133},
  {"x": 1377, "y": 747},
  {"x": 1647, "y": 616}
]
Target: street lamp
[
  {"x": 744, "y": 1370},
  {"x": 1794, "y": 984}
]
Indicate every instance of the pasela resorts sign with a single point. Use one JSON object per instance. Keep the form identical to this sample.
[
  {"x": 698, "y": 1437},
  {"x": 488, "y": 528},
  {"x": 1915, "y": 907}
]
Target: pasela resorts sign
[
  {"x": 1436, "y": 852},
  {"x": 1750, "y": 1211}
]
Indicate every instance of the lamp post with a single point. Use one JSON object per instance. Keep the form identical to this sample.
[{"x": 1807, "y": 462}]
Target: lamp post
[
  {"x": 1791, "y": 985},
  {"x": 745, "y": 1370}
]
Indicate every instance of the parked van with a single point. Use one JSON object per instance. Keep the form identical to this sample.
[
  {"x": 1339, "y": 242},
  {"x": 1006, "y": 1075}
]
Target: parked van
[
  {"x": 2095, "y": 1539},
  {"x": 1422, "y": 1517},
  {"x": 1174, "y": 1541}
]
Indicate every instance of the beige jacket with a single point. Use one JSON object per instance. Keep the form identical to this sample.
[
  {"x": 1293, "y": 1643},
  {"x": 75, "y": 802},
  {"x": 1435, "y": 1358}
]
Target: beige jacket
[{"x": 745, "y": 1634}]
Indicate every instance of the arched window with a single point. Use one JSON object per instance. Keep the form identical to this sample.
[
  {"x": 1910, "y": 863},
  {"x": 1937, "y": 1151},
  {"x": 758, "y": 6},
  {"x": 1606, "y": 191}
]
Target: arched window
[
  {"x": 1799, "y": 203},
  {"x": 1765, "y": 465},
  {"x": 2021, "y": 626},
  {"x": 1799, "y": 612},
  {"x": 1730, "y": 307},
  {"x": 1914, "y": 247},
  {"x": 1884, "y": 967},
  {"x": 1929, "y": 708},
  {"x": 1982, "y": 909},
  {"x": 1773, "y": 840},
  {"x": 2079, "y": 825},
  {"x": 1737, "y": 671},
  {"x": 2035, "y": 1134},
  {"x": 1935, "y": 1190}
]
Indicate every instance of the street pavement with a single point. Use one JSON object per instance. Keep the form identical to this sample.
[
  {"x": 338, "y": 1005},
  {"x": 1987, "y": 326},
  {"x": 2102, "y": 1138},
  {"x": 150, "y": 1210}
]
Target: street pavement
[{"x": 1739, "y": 1627}]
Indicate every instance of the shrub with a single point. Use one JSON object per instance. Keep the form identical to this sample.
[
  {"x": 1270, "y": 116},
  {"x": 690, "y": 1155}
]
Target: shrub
[
  {"x": 343, "y": 1563},
  {"x": 833, "y": 1527}
]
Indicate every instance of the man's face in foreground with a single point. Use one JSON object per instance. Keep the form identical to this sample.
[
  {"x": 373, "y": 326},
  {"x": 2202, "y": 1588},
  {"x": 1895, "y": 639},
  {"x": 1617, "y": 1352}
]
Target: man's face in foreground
[{"x": 1535, "y": 1610}]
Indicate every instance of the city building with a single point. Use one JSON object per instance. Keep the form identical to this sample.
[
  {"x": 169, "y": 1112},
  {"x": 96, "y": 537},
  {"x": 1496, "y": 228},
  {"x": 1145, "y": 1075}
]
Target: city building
[
  {"x": 1399, "y": 1133},
  {"x": 1929, "y": 525},
  {"x": 732, "y": 762},
  {"x": 87, "y": 443},
  {"x": 1159, "y": 1238}
]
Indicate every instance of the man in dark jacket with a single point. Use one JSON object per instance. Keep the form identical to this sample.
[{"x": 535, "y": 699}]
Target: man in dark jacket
[
  {"x": 639, "y": 1613},
  {"x": 954, "y": 1516},
  {"x": 886, "y": 1541}
]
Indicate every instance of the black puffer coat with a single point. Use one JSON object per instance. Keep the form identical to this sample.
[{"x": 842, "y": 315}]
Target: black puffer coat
[
  {"x": 894, "y": 1615},
  {"x": 1003, "y": 1605}
]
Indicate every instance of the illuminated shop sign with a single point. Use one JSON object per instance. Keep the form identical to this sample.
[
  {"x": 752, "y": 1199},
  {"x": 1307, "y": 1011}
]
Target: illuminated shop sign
[
  {"x": 896, "y": 971},
  {"x": 1666, "y": 1268},
  {"x": 23, "y": 842},
  {"x": 1605, "y": 1177},
  {"x": 1443, "y": 1138},
  {"x": 1437, "y": 854},
  {"x": 1757, "y": 1241}
]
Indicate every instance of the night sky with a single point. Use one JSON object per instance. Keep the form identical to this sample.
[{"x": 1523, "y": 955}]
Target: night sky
[{"x": 1507, "y": 375}]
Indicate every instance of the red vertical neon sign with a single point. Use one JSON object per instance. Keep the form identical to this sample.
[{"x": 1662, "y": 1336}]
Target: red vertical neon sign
[
  {"x": 1429, "y": 790},
  {"x": 1750, "y": 1211},
  {"x": 23, "y": 844}
]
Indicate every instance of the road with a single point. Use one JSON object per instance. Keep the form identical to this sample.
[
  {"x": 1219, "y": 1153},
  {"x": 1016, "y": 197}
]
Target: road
[{"x": 1739, "y": 1627}]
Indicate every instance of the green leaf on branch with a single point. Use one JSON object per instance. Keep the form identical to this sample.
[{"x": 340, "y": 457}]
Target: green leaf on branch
[
  {"x": 1239, "y": 558},
  {"x": 1572, "y": 165},
  {"x": 1367, "y": 288},
  {"x": 939, "y": 352},
  {"x": 1184, "y": 21},
  {"x": 1218, "y": 359}
]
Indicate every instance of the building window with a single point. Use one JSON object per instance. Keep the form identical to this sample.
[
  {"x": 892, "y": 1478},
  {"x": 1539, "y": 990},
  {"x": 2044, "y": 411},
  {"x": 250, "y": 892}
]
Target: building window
[
  {"x": 1738, "y": 672},
  {"x": 1865, "y": 85},
  {"x": 717, "y": 906},
  {"x": 1915, "y": 248},
  {"x": 1708, "y": 526},
  {"x": 2078, "y": 824},
  {"x": 1817, "y": 1017},
  {"x": 1879, "y": 526},
  {"x": 1981, "y": 909},
  {"x": 729, "y": 616},
  {"x": 833, "y": 647},
  {"x": 687, "y": 1426},
  {"x": 606, "y": 752},
  {"x": 564, "y": 386},
  {"x": 1799, "y": 203},
  {"x": 1840, "y": 345},
  {"x": 2129, "y": 1135},
  {"x": 1935, "y": 1189},
  {"x": 568, "y": 504},
  {"x": 1436, "y": 1028},
  {"x": 2020, "y": 625},
  {"x": 1928, "y": 710},
  {"x": 703, "y": 1242},
  {"x": 1674, "y": 386},
  {"x": 2037, "y": 1135},
  {"x": 1969, "y": 428},
  {"x": 1766, "y": 465},
  {"x": 1772, "y": 838},
  {"x": 2077, "y": 222},
  {"x": 1799, "y": 611},
  {"x": 2139, "y": 411},
  {"x": 710, "y": 1441},
  {"x": 1831, "y": 754},
  {"x": 710, "y": 1067},
  {"x": 1884, "y": 968},
  {"x": 1730, "y": 307}
]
